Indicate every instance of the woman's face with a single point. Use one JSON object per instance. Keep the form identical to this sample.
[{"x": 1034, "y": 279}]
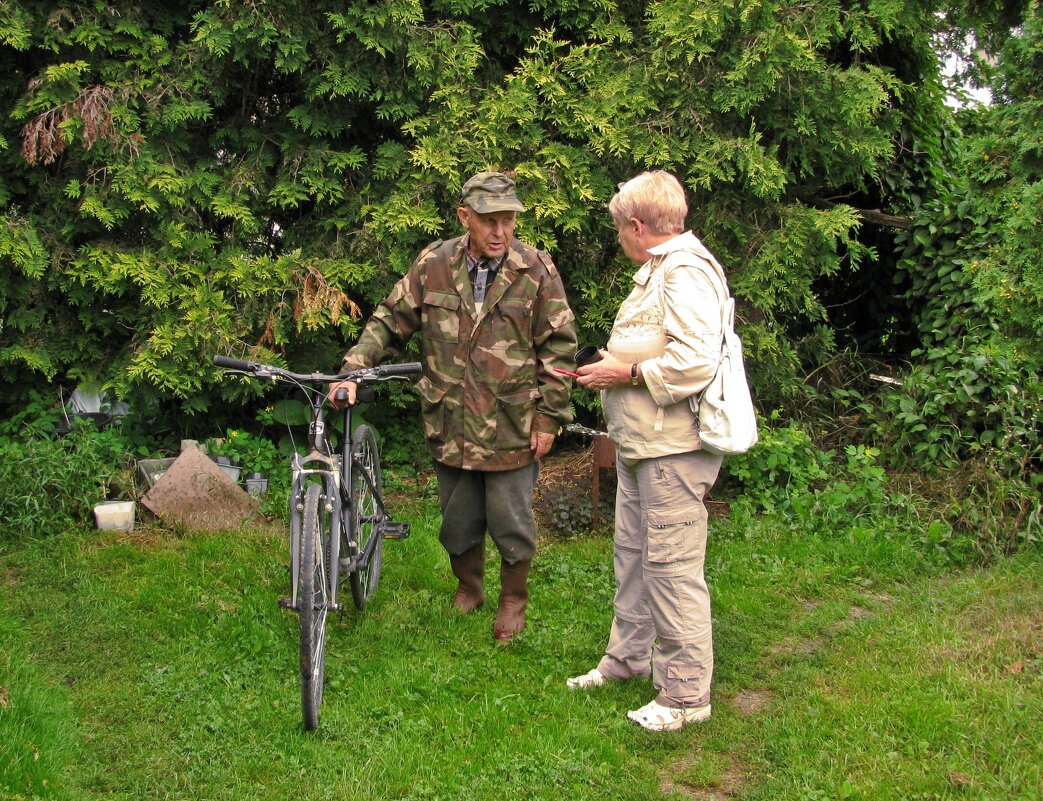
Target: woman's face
[{"x": 630, "y": 238}]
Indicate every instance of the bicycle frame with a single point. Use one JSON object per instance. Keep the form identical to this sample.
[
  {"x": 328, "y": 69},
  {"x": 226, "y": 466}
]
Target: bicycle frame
[{"x": 337, "y": 474}]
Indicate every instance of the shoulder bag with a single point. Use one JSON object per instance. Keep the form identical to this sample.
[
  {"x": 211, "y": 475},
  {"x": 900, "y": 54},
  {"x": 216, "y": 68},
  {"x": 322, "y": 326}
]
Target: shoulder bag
[{"x": 727, "y": 420}]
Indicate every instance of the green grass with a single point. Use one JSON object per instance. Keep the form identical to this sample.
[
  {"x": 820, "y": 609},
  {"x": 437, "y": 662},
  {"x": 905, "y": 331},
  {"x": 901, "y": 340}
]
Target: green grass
[{"x": 159, "y": 666}]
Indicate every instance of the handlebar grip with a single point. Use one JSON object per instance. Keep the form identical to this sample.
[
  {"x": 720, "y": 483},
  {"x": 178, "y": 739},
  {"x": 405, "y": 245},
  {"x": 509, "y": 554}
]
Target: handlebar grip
[
  {"x": 341, "y": 395},
  {"x": 234, "y": 364},
  {"x": 406, "y": 368}
]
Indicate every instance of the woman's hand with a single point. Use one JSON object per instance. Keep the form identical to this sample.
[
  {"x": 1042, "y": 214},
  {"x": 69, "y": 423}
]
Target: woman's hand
[{"x": 605, "y": 374}]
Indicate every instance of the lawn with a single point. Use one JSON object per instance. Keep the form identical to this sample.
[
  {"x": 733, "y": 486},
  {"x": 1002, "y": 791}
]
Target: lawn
[{"x": 851, "y": 664}]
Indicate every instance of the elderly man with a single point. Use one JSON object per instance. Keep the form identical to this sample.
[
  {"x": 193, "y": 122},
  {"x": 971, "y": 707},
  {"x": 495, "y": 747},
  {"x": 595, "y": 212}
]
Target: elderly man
[{"x": 495, "y": 323}]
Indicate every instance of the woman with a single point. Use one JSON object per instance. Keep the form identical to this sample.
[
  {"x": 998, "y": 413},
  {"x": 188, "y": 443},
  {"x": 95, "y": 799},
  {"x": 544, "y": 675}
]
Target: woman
[{"x": 664, "y": 349}]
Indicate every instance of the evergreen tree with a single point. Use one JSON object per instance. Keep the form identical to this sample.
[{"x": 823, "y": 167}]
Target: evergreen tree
[{"x": 187, "y": 178}]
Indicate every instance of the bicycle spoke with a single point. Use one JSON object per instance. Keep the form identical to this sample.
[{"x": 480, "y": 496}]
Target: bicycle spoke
[{"x": 366, "y": 515}]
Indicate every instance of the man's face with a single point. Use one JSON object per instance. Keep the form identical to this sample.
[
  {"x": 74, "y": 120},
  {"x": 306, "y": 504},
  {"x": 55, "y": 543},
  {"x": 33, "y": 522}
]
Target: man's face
[{"x": 491, "y": 234}]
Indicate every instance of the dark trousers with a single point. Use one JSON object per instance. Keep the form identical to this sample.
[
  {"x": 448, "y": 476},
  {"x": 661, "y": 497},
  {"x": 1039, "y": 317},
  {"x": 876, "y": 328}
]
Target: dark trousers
[{"x": 500, "y": 502}]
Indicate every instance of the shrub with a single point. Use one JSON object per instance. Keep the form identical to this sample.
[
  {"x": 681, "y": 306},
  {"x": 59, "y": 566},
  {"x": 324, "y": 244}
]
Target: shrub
[
  {"x": 974, "y": 513},
  {"x": 970, "y": 513},
  {"x": 783, "y": 465},
  {"x": 53, "y": 482},
  {"x": 252, "y": 452},
  {"x": 968, "y": 398}
]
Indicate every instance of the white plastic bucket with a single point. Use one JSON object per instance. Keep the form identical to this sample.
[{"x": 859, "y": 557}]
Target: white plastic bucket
[{"x": 115, "y": 515}]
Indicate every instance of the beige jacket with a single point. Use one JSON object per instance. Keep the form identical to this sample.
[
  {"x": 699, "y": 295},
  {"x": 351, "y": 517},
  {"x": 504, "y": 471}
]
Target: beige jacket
[{"x": 671, "y": 324}]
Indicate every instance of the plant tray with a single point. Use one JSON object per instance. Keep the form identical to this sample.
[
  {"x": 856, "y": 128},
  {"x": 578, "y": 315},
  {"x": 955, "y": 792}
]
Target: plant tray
[{"x": 153, "y": 469}]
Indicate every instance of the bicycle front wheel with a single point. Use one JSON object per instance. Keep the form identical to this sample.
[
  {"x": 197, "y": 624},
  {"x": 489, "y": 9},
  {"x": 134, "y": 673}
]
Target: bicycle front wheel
[
  {"x": 313, "y": 602},
  {"x": 364, "y": 535}
]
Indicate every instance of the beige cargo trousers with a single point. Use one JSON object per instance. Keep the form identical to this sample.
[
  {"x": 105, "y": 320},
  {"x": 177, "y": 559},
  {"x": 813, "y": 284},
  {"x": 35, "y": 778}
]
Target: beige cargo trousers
[{"x": 662, "y": 605}]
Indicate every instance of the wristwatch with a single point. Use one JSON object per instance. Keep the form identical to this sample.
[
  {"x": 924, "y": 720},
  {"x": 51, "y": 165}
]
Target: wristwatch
[{"x": 633, "y": 374}]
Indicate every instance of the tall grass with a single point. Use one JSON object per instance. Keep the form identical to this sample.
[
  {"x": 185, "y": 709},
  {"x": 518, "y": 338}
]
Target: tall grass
[{"x": 49, "y": 482}]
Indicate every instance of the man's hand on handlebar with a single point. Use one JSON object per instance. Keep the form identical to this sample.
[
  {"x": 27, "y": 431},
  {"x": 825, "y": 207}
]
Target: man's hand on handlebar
[{"x": 343, "y": 394}]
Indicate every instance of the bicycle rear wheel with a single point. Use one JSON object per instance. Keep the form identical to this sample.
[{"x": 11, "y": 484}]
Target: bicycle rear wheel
[
  {"x": 313, "y": 603},
  {"x": 364, "y": 533}
]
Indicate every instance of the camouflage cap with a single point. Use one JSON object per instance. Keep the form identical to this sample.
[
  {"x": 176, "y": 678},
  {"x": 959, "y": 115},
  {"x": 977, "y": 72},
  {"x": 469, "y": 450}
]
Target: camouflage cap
[{"x": 489, "y": 192}]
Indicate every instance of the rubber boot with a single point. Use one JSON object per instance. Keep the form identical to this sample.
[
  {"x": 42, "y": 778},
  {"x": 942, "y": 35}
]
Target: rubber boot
[
  {"x": 514, "y": 596},
  {"x": 469, "y": 568}
]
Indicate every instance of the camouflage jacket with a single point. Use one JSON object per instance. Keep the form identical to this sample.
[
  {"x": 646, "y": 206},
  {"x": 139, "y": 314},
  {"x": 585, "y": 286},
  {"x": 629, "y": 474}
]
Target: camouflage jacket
[{"x": 488, "y": 378}]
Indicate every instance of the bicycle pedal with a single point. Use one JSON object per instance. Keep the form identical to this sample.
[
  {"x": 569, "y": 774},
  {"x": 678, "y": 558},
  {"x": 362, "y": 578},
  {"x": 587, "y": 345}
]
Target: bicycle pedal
[{"x": 395, "y": 531}]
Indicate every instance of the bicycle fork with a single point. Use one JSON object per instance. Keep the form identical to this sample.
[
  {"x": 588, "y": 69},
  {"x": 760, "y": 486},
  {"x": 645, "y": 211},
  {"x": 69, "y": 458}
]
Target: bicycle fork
[{"x": 329, "y": 475}]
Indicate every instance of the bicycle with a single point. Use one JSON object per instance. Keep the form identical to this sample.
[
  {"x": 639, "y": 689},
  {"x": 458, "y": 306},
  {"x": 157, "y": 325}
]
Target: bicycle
[{"x": 338, "y": 521}]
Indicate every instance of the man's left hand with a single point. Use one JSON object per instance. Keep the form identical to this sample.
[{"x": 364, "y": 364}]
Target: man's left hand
[{"x": 540, "y": 443}]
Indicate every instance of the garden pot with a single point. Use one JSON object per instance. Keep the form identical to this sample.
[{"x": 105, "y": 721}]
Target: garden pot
[
  {"x": 256, "y": 483},
  {"x": 152, "y": 470},
  {"x": 228, "y": 465},
  {"x": 115, "y": 515}
]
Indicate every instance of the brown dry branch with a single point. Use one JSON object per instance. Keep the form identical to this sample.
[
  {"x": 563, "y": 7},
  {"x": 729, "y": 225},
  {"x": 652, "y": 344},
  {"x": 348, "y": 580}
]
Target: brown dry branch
[
  {"x": 564, "y": 466},
  {"x": 316, "y": 294},
  {"x": 267, "y": 339},
  {"x": 43, "y": 137}
]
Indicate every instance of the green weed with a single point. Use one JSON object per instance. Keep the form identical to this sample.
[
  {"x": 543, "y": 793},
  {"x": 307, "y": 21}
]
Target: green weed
[{"x": 51, "y": 482}]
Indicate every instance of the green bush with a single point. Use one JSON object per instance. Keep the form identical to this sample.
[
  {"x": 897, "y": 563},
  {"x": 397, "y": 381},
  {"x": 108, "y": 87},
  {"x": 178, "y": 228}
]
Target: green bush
[
  {"x": 396, "y": 420},
  {"x": 856, "y": 488},
  {"x": 787, "y": 473},
  {"x": 784, "y": 465},
  {"x": 53, "y": 482},
  {"x": 206, "y": 213},
  {"x": 970, "y": 513},
  {"x": 967, "y": 398},
  {"x": 974, "y": 513},
  {"x": 254, "y": 453}
]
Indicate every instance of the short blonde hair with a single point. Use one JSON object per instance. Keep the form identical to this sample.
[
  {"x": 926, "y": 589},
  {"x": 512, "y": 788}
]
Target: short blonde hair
[{"x": 656, "y": 198}]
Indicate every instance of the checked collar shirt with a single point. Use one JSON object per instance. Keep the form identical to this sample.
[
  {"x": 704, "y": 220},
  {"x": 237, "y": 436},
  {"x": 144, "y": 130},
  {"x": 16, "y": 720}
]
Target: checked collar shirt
[{"x": 482, "y": 272}]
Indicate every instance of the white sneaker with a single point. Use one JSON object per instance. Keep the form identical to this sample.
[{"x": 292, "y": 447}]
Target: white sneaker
[
  {"x": 586, "y": 681},
  {"x": 656, "y": 717}
]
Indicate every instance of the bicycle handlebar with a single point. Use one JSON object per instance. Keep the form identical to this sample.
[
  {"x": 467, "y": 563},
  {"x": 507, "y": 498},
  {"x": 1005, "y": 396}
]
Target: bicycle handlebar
[
  {"x": 365, "y": 375},
  {"x": 235, "y": 364}
]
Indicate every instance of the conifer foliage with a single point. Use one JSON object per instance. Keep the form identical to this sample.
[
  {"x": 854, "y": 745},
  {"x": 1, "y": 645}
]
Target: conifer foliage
[{"x": 184, "y": 178}]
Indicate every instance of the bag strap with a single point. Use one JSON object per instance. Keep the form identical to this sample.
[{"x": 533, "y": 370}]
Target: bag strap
[
  {"x": 728, "y": 316},
  {"x": 720, "y": 285},
  {"x": 703, "y": 257}
]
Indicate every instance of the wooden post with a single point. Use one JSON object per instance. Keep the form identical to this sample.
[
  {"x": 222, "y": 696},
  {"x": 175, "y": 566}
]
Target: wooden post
[{"x": 604, "y": 456}]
